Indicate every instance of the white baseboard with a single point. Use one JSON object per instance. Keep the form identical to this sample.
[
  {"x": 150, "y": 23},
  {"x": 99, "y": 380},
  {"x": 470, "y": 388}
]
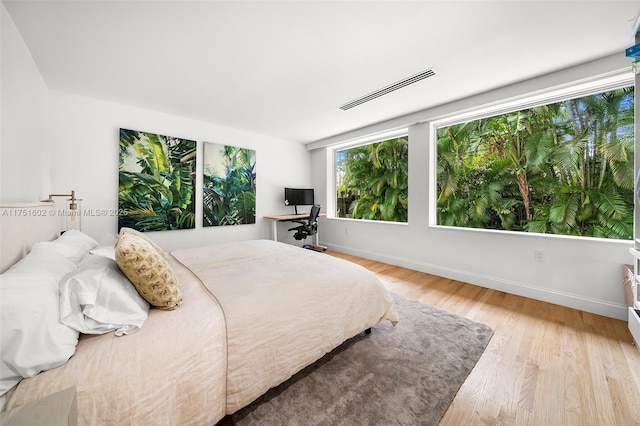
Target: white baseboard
[{"x": 570, "y": 300}]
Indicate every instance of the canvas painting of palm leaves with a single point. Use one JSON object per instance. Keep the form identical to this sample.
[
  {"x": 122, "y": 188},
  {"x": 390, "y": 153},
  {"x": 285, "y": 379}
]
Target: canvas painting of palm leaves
[
  {"x": 156, "y": 181},
  {"x": 229, "y": 185}
]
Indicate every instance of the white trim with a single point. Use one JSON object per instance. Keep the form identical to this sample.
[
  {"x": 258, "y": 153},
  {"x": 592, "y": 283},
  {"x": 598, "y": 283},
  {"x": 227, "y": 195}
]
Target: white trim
[
  {"x": 351, "y": 219},
  {"x": 351, "y": 143},
  {"x": 332, "y": 178},
  {"x": 583, "y": 87},
  {"x": 330, "y": 183},
  {"x": 636, "y": 30},
  {"x": 571, "y": 300},
  {"x": 372, "y": 138},
  {"x": 534, "y": 234}
]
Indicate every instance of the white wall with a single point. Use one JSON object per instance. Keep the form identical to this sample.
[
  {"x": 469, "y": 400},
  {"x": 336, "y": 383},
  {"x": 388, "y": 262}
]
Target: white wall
[
  {"x": 57, "y": 142},
  {"x": 54, "y": 142},
  {"x": 84, "y": 136},
  {"x": 23, "y": 127},
  {"x": 577, "y": 272}
]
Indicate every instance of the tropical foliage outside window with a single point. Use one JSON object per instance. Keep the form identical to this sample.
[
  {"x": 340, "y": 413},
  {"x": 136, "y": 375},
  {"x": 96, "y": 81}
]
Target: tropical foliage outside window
[
  {"x": 563, "y": 168},
  {"x": 372, "y": 181},
  {"x": 156, "y": 181}
]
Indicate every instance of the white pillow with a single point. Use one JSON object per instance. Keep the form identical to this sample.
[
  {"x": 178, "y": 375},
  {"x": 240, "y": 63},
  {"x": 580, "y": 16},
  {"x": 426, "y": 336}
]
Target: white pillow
[
  {"x": 73, "y": 244},
  {"x": 98, "y": 298},
  {"x": 45, "y": 259},
  {"x": 106, "y": 247},
  {"x": 78, "y": 239},
  {"x": 32, "y": 337},
  {"x": 74, "y": 254}
]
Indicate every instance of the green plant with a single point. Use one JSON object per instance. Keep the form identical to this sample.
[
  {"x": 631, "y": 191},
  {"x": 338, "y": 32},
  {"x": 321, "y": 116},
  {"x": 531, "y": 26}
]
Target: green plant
[
  {"x": 230, "y": 194},
  {"x": 156, "y": 183},
  {"x": 373, "y": 180},
  {"x": 563, "y": 168}
]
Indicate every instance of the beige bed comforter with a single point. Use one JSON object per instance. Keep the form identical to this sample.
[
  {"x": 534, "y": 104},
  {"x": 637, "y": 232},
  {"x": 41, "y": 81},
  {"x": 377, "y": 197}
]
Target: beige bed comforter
[
  {"x": 268, "y": 310},
  {"x": 285, "y": 308},
  {"x": 172, "y": 372}
]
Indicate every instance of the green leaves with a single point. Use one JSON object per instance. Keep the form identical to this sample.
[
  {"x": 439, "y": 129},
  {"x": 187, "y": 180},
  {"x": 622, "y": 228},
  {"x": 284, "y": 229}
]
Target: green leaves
[
  {"x": 565, "y": 168},
  {"x": 156, "y": 181},
  {"x": 229, "y": 186},
  {"x": 373, "y": 180}
]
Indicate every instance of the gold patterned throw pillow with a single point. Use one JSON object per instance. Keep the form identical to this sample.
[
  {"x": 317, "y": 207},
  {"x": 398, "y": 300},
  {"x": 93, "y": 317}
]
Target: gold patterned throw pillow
[
  {"x": 125, "y": 230},
  {"x": 148, "y": 271}
]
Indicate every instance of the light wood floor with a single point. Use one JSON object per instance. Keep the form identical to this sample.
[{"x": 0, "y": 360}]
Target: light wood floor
[{"x": 545, "y": 365}]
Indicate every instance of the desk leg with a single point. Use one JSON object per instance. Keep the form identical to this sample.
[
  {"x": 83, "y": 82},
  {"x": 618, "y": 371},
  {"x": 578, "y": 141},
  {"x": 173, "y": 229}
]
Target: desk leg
[{"x": 274, "y": 230}]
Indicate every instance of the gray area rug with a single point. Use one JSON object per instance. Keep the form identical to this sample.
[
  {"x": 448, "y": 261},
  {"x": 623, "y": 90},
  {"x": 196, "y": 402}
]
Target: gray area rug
[{"x": 403, "y": 375}]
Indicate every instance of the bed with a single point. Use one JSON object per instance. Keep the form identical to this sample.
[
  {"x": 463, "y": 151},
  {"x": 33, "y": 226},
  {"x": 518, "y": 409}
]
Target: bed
[{"x": 249, "y": 316}]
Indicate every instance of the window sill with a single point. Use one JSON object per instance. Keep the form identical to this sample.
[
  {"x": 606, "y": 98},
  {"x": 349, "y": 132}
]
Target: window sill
[
  {"x": 531, "y": 234},
  {"x": 349, "y": 219}
]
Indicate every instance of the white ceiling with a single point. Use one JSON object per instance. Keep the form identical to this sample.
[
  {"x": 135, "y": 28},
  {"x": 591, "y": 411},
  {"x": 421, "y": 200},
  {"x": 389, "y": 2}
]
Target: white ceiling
[{"x": 283, "y": 68}]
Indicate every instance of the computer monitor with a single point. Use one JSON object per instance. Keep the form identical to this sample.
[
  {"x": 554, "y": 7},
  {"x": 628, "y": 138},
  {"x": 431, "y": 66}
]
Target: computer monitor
[{"x": 298, "y": 197}]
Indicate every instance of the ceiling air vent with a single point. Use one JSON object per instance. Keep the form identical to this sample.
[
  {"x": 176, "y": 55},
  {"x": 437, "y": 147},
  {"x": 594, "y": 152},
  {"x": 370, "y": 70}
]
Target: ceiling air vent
[{"x": 388, "y": 89}]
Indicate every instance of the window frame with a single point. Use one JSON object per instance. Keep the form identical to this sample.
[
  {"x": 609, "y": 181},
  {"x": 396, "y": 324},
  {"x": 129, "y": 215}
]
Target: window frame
[
  {"x": 332, "y": 177},
  {"x": 552, "y": 95}
]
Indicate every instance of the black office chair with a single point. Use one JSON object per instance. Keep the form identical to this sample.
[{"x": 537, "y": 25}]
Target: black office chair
[{"x": 308, "y": 227}]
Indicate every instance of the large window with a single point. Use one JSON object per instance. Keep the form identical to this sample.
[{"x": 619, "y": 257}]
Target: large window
[
  {"x": 372, "y": 180},
  {"x": 561, "y": 168}
]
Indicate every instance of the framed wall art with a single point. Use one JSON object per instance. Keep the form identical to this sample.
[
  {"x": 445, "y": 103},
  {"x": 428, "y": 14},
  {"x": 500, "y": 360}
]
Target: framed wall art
[
  {"x": 229, "y": 185},
  {"x": 156, "y": 181}
]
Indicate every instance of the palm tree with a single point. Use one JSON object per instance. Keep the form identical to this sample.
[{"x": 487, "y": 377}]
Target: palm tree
[
  {"x": 603, "y": 162},
  {"x": 376, "y": 176},
  {"x": 564, "y": 168}
]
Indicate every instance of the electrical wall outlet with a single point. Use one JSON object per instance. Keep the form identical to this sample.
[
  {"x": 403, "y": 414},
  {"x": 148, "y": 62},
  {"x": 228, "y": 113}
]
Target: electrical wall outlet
[{"x": 538, "y": 255}]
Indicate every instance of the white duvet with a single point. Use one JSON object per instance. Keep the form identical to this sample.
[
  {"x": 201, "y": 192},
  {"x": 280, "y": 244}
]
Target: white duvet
[
  {"x": 284, "y": 307},
  {"x": 171, "y": 372},
  {"x": 98, "y": 298}
]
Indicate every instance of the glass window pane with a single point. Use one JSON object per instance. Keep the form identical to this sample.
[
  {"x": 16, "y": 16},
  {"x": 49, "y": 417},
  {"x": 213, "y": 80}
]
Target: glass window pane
[
  {"x": 372, "y": 181},
  {"x": 563, "y": 168}
]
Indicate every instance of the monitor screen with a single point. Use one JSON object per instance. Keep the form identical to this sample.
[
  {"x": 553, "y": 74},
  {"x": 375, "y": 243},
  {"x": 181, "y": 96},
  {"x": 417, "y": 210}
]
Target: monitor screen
[{"x": 298, "y": 197}]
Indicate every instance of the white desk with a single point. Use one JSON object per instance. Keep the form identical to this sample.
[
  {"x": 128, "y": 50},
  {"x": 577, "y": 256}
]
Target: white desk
[{"x": 287, "y": 218}]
